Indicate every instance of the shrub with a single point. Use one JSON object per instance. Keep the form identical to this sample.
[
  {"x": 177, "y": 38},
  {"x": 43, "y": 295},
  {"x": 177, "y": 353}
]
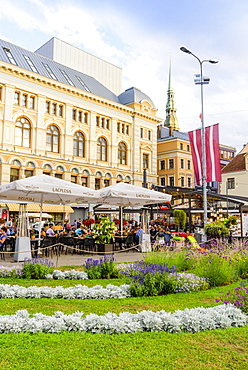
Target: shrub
[
  {"x": 153, "y": 284},
  {"x": 183, "y": 260},
  {"x": 238, "y": 297},
  {"x": 217, "y": 270},
  {"x": 216, "y": 229},
  {"x": 137, "y": 270},
  {"x": 241, "y": 263},
  {"x": 103, "y": 268},
  {"x": 37, "y": 268}
]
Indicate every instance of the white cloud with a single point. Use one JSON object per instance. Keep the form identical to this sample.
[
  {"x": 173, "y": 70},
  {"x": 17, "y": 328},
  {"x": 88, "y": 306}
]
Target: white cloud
[{"x": 143, "y": 53}]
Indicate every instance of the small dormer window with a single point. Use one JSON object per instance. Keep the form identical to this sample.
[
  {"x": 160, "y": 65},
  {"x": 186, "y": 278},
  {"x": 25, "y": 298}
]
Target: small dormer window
[{"x": 10, "y": 56}]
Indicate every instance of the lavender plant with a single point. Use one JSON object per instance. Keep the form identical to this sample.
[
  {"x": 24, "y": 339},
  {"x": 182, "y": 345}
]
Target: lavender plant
[
  {"x": 237, "y": 297},
  {"x": 103, "y": 268},
  {"x": 37, "y": 268}
]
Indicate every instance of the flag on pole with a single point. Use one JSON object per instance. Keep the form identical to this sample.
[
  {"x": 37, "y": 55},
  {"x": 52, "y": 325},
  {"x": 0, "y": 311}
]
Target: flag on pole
[
  {"x": 195, "y": 140},
  {"x": 212, "y": 153},
  {"x": 212, "y": 149}
]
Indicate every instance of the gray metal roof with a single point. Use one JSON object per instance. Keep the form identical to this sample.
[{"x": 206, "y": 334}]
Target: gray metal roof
[
  {"x": 134, "y": 95},
  {"x": 165, "y": 134},
  {"x": 39, "y": 62}
]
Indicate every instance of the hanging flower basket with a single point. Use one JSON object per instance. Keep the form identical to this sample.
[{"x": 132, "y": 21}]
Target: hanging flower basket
[{"x": 88, "y": 221}]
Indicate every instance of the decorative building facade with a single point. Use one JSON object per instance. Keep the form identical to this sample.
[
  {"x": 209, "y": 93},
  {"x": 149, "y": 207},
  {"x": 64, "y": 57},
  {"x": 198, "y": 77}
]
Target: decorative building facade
[
  {"x": 235, "y": 175},
  {"x": 64, "y": 123}
]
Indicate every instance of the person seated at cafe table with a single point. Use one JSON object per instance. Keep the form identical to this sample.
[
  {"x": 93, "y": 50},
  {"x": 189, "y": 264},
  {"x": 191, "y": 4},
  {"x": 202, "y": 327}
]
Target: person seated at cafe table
[
  {"x": 3, "y": 236},
  {"x": 50, "y": 231},
  {"x": 80, "y": 231},
  {"x": 42, "y": 233}
]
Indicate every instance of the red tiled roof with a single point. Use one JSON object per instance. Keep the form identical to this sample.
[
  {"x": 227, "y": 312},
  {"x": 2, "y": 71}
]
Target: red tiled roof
[{"x": 236, "y": 164}]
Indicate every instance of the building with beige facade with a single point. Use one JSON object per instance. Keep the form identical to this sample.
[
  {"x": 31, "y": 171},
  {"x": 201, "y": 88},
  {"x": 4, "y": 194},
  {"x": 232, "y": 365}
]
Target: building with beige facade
[{"x": 64, "y": 123}]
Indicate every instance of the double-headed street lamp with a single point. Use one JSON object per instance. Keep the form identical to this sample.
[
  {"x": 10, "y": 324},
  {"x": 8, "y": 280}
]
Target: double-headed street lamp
[{"x": 202, "y": 82}]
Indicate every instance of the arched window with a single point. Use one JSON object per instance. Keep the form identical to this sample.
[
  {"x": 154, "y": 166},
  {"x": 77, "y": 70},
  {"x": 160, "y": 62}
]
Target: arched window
[
  {"x": 74, "y": 175},
  {"x": 98, "y": 180},
  {"x": 78, "y": 144},
  {"x": 15, "y": 170},
  {"x": 122, "y": 153},
  {"x": 128, "y": 179},
  {"x": 52, "y": 139},
  {"x": 119, "y": 178},
  {"x": 84, "y": 178},
  {"x": 101, "y": 149},
  {"x": 29, "y": 171},
  {"x": 47, "y": 170},
  {"x": 22, "y": 132},
  {"x": 59, "y": 172}
]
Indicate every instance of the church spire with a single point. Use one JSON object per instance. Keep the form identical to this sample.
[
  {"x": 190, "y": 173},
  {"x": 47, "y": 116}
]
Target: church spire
[{"x": 171, "y": 120}]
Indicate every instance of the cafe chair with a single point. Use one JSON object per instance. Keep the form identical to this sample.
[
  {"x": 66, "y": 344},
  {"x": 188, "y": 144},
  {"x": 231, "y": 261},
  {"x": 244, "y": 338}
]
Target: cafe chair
[
  {"x": 8, "y": 246},
  {"x": 89, "y": 244}
]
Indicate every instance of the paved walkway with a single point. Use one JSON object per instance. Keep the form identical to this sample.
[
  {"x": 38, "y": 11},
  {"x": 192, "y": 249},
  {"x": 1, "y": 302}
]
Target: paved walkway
[{"x": 77, "y": 259}]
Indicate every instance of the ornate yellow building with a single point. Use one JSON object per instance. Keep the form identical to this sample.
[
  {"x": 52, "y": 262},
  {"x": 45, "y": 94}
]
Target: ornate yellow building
[{"x": 62, "y": 122}]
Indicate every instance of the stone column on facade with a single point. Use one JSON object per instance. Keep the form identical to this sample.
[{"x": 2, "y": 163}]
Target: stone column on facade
[
  {"x": 136, "y": 151},
  {"x": 67, "y": 176},
  {"x": 66, "y": 140},
  {"x": 39, "y": 132},
  {"x": 5, "y": 177},
  {"x": 91, "y": 154},
  {"x": 38, "y": 171},
  {"x": 91, "y": 181},
  {"x": 22, "y": 173},
  {"x": 7, "y": 132},
  {"x": 114, "y": 145}
]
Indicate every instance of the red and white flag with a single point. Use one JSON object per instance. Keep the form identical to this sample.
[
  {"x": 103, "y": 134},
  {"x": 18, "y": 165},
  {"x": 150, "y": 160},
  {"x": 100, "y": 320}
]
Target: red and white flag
[
  {"x": 213, "y": 167},
  {"x": 212, "y": 153},
  {"x": 195, "y": 139}
]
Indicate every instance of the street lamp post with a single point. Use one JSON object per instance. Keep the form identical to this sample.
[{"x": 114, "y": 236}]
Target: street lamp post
[{"x": 204, "y": 174}]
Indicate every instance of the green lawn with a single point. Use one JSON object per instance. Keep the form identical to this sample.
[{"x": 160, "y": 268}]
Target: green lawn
[{"x": 217, "y": 349}]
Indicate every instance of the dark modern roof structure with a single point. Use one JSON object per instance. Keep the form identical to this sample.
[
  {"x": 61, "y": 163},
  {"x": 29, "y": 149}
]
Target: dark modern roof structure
[
  {"x": 33, "y": 62},
  {"x": 134, "y": 95}
]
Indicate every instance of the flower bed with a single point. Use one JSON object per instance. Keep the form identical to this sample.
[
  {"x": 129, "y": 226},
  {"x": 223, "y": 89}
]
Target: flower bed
[
  {"x": 70, "y": 274},
  {"x": 190, "y": 320},
  {"x": 77, "y": 292},
  {"x": 13, "y": 272}
]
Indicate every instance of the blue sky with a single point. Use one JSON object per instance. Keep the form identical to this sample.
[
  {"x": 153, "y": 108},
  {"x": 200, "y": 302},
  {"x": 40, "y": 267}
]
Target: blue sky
[{"x": 141, "y": 36}]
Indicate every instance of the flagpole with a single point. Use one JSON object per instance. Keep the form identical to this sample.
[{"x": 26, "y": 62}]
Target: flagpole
[
  {"x": 204, "y": 172},
  {"x": 204, "y": 177}
]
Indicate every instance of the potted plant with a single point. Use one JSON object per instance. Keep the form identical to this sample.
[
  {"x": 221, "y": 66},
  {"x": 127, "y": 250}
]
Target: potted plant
[
  {"x": 104, "y": 232},
  {"x": 216, "y": 230},
  {"x": 180, "y": 218}
]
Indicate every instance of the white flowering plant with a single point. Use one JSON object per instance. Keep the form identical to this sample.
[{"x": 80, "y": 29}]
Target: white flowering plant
[
  {"x": 68, "y": 274},
  {"x": 104, "y": 231},
  {"x": 189, "y": 320}
]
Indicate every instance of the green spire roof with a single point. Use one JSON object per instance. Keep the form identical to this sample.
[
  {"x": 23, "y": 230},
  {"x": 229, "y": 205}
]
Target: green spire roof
[{"x": 171, "y": 118}]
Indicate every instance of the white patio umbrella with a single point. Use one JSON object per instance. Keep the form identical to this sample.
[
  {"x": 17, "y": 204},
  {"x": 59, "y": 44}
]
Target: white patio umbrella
[
  {"x": 126, "y": 195},
  {"x": 45, "y": 189}
]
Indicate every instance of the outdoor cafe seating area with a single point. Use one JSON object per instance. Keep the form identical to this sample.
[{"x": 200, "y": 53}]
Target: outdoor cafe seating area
[
  {"x": 49, "y": 246},
  {"x": 43, "y": 189}
]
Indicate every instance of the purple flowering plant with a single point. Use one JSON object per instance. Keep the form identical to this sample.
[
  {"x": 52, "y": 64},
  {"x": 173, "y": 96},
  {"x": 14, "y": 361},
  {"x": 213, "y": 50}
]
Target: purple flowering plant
[
  {"x": 237, "y": 296},
  {"x": 102, "y": 268},
  {"x": 37, "y": 268}
]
